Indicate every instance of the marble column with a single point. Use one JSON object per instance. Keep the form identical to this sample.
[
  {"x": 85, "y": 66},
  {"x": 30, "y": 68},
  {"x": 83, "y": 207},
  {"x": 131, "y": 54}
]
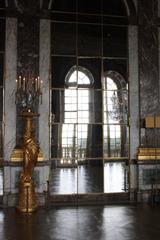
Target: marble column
[
  {"x": 44, "y": 73},
  {"x": 134, "y": 90},
  {"x": 44, "y": 107},
  {"x": 9, "y": 101},
  {"x": 10, "y": 86},
  {"x": 134, "y": 101}
]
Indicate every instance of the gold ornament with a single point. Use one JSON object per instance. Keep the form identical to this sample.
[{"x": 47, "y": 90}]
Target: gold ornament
[{"x": 27, "y": 199}]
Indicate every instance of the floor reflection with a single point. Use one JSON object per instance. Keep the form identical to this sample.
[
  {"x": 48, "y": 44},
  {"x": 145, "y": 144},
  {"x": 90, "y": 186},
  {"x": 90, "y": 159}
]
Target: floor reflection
[
  {"x": 82, "y": 223},
  {"x": 115, "y": 178},
  {"x": 86, "y": 179},
  {"x": 89, "y": 179},
  {"x": 64, "y": 180}
]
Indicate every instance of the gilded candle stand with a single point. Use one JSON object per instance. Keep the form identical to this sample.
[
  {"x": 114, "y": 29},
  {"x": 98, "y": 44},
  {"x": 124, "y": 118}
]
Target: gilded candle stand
[
  {"x": 27, "y": 98},
  {"x": 27, "y": 199}
]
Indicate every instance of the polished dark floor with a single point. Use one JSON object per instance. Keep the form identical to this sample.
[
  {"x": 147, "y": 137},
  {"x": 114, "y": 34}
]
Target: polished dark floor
[{"x": 83, "y": 223}]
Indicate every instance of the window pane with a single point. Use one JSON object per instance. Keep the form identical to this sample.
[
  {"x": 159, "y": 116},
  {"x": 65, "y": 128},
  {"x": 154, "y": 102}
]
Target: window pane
[
  {"x": 82, "y": 78},
  {"x": 89, "y": 40},
  {"x": 115, "y": 177},
  {"x": 84, "y": 6},
  {"x": 83, "y": 117},
  {"x": 57, "y": 106},
  {"x": 83, "y": 107},
  {"x": 112, "y": 47},
  {"x": 63, "y": 34},
  {"x": 70, "y": 117},
  {"x": 58, "y": 76},
  {"x": 69, "y": 5},
  {"x": 71, "y": 107}
]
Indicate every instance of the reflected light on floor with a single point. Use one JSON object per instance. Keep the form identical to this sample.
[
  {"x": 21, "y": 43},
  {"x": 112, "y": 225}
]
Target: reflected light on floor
[{"x": 114, "y": 177}]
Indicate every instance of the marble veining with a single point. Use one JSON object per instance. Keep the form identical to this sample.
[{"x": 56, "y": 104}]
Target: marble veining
[
  {"x": 134, "y": 90},
  {"x": 148, "y": 58},
  {"x": 44, "y": 75}
]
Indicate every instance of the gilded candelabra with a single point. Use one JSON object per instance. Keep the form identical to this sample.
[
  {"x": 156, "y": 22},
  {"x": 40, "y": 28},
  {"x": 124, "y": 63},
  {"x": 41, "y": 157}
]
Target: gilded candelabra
[{"x": 27, "y": 94}]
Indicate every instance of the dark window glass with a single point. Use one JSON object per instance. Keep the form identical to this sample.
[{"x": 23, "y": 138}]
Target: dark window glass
[
  {"x": 117, "y": 65},
  {"x": 63, "y": 5},
  {"x": 2, "y": 4},
  {"x": 60, "y": 68},
  {"x": 86, "y": 6},
  {"x": 114, "y": 7},
  {"x": 114, "y": 41},
  {"x": 63, "y": 38},
  {"x": 89, "y": 40},
  {"x": 94, "y": 66}
]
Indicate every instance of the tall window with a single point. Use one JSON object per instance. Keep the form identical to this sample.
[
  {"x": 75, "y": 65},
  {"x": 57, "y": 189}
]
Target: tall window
[
  {"x": 76, "y": 115},
  {"x": 115, "y": 132},
  {"x": 115, "y": 114}
]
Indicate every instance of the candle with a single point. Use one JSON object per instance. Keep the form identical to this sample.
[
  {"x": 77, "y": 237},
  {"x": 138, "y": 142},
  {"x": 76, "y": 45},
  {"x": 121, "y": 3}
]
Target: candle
[
  {"x": 24, "y": 87},
  {"x": 36, "y": 84},
  {"x": 19, "y": 82}
]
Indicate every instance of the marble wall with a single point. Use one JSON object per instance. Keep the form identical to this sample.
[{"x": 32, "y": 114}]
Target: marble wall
[
  {"x": 28, "y": 46},
  {"x": 27, "y": 61},
  {"x": 148, "y": 57}
]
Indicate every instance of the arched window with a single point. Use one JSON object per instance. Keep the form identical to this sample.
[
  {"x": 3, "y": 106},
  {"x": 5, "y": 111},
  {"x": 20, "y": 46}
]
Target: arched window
[
  {"x": 115, "y": 131},
  {"x": 76, "y": 115},
  {"x": 115, "y": 116}
]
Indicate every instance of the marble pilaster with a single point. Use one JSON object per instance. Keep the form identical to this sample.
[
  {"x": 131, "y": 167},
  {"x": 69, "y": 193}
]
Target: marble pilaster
[
  {"x": 134, "y": 101},
  {"x": 134, "y": 90},
  {"x": 10, "y": 86},
  {"x": 44, "y": 73},
  {"x": 9, "y": 101}
]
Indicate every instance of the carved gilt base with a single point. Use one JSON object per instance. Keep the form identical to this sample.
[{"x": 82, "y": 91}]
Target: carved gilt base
[{"x": 27, "y": 199}]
